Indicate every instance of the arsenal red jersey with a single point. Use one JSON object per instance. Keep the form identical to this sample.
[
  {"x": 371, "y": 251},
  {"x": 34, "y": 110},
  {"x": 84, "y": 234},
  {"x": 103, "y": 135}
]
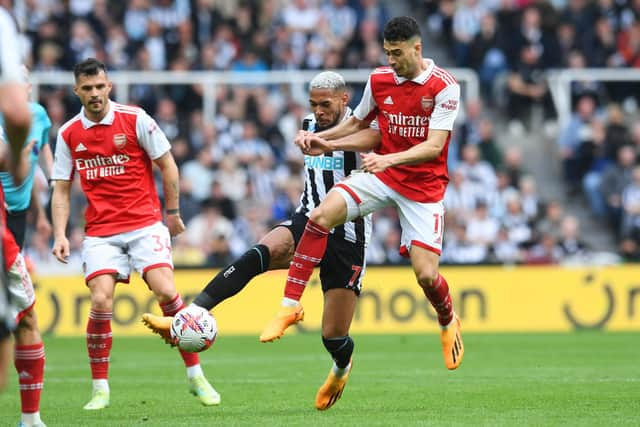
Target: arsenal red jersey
[
  {"x": 113, "y": 158},
  {"x": 405, "y": 111},
  {"x": 10, "y": 248}
]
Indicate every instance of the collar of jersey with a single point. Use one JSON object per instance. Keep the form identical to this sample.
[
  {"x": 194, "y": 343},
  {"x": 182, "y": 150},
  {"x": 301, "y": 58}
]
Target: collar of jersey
[
  {"x": 106, "y": 120},
  {"x": 420, "y": 78}
]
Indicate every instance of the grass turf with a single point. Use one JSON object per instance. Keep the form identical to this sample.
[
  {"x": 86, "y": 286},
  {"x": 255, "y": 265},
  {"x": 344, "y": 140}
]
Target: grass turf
[{"x": 590, "y": 378}]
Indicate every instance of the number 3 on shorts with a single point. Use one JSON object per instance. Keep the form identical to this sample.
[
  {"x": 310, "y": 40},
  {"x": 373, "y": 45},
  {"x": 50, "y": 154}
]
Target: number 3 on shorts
[{"x": 161, "y": 244}]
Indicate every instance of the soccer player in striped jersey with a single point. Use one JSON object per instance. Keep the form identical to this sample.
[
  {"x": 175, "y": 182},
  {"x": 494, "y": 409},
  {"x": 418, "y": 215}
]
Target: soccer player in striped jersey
[
  {"x": 342, "y": 268},
  {"x": 415, "y": 103}
]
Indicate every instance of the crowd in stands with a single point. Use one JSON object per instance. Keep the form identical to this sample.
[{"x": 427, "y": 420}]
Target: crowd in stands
[{"x": 240, "y": 174}]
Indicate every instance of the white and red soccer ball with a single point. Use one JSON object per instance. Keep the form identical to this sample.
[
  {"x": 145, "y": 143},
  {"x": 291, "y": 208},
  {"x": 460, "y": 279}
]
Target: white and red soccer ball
[{"x": 194, "y": 329}]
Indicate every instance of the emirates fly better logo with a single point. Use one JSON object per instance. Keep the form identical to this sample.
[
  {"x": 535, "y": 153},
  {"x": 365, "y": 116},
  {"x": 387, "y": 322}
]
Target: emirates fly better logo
[
  {"x": 407, "y": 125},
  {"x": 102, "y": 166}
]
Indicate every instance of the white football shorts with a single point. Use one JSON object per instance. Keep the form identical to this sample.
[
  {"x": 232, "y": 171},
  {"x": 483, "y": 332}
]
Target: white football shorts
[
  {"x": 143, "y": 250},
  {"x": 20, "y": 288},
  {"x": 422, "y": 223}
]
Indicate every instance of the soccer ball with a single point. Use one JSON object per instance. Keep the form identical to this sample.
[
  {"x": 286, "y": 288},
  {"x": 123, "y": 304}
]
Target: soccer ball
[{"x": 194, "y": 329}]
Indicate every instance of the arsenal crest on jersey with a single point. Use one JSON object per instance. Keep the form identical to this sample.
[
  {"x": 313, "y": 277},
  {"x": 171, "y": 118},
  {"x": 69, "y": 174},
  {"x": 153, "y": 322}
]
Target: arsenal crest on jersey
[
  {"x": 120, "y": 140},
  {"x": 426, "y": 103}
]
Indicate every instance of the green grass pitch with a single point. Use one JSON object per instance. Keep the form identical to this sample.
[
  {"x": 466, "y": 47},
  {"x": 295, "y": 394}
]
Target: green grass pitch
[{"x": 579, "y": 379}]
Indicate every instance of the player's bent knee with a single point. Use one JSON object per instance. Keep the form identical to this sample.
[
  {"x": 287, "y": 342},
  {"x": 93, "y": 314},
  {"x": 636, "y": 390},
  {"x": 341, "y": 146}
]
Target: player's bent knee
[
  {"x": 327, "y": 217},
  {"x": 318, "y": 216},
  {"x": 427, "y": 276},
  {"x": 29, "y": 321},
  {"x": 101, "y": 302}
]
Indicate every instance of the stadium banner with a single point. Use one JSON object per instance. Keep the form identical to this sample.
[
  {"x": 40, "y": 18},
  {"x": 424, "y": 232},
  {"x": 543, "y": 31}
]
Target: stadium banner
[{"x": 488, "y": 299}]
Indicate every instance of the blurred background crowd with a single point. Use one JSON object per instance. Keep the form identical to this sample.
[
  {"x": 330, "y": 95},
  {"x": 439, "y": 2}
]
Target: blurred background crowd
[{"x": 240, "y": 174}]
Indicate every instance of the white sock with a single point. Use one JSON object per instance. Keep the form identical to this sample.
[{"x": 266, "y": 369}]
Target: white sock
[
  {"x": 288, "y": 302},
  {"x": 340, "y": 371},
  {"x": 101, "y": 385},
  {"x": 194, "y": 371},
  {"x": 30, "y": 419}
]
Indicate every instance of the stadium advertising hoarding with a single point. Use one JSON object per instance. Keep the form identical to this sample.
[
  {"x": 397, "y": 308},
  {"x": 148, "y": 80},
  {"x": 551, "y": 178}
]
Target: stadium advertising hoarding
[{"x": 488, "y": 299}]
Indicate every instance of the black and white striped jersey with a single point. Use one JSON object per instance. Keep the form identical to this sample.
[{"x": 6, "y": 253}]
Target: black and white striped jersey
[{"x": 321, "y": 173}]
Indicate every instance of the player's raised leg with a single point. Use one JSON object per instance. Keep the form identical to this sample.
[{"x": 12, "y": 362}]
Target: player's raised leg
[
  {"x": 99, "y": 338},
  {"x": 308, "y": 254},
  {"x": 233, "y": 278},
  {"x": 160, "y": 281},
  {"x": 436, "y": 289},
  {"x": 339, "y": 307}
]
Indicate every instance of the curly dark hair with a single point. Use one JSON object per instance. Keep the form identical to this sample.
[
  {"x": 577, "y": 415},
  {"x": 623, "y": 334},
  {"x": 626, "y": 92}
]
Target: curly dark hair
[{"x": 401, "y": 28}]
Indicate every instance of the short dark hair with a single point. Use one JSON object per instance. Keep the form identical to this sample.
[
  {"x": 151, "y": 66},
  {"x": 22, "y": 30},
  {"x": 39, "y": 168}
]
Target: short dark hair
[
  {"x": 401, "y": 28},
  {"x": 88, "y": 67}
]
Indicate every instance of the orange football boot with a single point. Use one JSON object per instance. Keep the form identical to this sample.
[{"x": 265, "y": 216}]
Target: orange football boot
[
  {"x": 452, "y": 346},
  {"x": 331, "y": 390},
  {"x": 285, "y": 317}
]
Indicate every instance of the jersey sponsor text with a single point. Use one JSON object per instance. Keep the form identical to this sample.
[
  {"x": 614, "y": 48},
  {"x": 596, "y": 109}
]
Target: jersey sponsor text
[
  {"x": 407, "y": 126},
  {"x": 102, "y": 166},
  {"x": 324, "y": 163}
]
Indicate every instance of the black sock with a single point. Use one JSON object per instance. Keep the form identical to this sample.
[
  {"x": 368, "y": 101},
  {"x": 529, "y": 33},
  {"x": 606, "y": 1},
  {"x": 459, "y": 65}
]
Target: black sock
[
  {"x": 341, "y": 349},
  {"x": 233, "y": 278}
]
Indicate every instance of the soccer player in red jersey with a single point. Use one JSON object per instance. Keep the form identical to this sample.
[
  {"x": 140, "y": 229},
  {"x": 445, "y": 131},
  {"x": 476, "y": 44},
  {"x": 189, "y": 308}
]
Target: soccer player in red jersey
[
  {"x": 415, "y": 103},
  {"x": 112, "y": 147},
  {"x": 29, "y": 352},
  {"x": 17, "y": 116}
]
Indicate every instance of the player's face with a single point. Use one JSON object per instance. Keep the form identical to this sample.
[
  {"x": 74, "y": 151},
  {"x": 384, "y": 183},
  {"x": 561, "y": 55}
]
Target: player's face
[
  {"x": 93, "y": 91},
  {"x": 327, "y": 106},
  {"x": 404, "y": 56}
]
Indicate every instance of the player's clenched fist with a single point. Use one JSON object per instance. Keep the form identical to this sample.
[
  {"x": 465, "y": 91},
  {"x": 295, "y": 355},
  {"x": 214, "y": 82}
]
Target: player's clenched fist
[{"x": 302, "y": 140}]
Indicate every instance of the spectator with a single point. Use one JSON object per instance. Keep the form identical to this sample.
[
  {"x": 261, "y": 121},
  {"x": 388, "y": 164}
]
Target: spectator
[
  {"x": 476, "y": 170},
  {"x": 466, "y": 25},
  {"x": 526, "y": 85},
  {"x": 198, "y": 175},
  {"x": 489, "y": 150},
  {"x": 570, "y": 242},
  {"x": 461, "y": 195},
  {"x": 614, "y": 180},
  {"x": 631, "y": 205},
  {"x": 546, "y": 251},
  {"x": 482, "y": 229},
  {"x": 551, "y": 222},
  {"x": 487, "y": 54},
  {"x": 576, "y": 136},
  {"x": 459, "y": 250},
  {"x": 504, "y": 250},
  {"x": 210, "y": 232}
]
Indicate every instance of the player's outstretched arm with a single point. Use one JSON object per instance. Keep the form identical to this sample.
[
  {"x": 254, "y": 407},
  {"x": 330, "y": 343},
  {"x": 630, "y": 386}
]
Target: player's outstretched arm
[
  {"x": 344, "y": 128},
  {"x": 60, "y": 202},
  {"x": 426, "y": 151},
  {"x": 171, "y": 185},
  {"x": 361, "y": 141}
]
